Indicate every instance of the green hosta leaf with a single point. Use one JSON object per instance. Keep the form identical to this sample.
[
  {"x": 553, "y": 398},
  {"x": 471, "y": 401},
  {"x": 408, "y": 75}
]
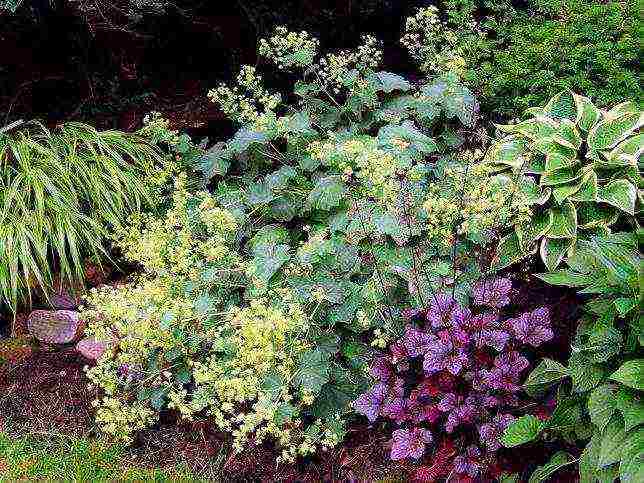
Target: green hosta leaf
[
  {"x": 509, "y": 251},
  {"x": 612, "y": 440},
  {"x": 534, "y": 194},
  {"x": 510, "y": 151},
  {"x": 587, "y": 113},
  {"x": 620, "y": 261},
  {"x": 534, "y": 128},
  {"x": 547, "y": 373},
  {"x": 620, "y": 194},
  {"x": 561, "y": 106},
  {"x": 568, "y": 135},
  {"x": 558, "y": 461},
  {"x": 567, "y": 278},
  {"x": 553, "y": 251},
  {"x": 585, "y": 375},
  {"x": 521, "y": 431},
  {"x": 537, "y": 227},
  {"x": 632, "y": 147},
  {"x": 607, "y": 133},
  {"x": 327, "y": 193},
  {"x": 563, "y": 175},
  {"x": 586, "y": 189},
  {"x": 312, "y": 371},
  {"x": 391, "y": 82},
  {"x": 557, "y": 160},
  {"x": 631, "y": 466},
  {"x": 592, "y": 215},
  {"x": 631, "y": 404},
  {"x": 631, "y": 374},
  {"x": 601, "y": 405}
]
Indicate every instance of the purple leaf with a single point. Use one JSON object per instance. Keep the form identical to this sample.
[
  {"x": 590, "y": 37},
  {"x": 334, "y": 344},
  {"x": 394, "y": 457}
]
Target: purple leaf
[
  {"x": 533, "y": 327},
  {"x": 395, "y": 409},
  {"x": 463, "y": 414},
  {"x": 492, "y": 293},
  {"x": 468, "y": 463},
  {"x": 440, "y": 310},
  {"x": 417, "y": 342},
  {"x": 382, "y": 369},
  {"x": 410, "y": 443},
  {"x": 370, "y": 403},
  {"x": 491, "y": 432},
  {"x": 444, "y": 356}
]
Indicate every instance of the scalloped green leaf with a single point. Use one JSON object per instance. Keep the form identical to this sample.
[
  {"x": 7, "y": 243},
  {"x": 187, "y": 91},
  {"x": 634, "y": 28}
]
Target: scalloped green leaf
[
  {"x": 312, "y": 371},
  {"x": 546, "y": 374},
  {"x": 327, "y": 193},
  {"x": 631, "y": 404},
  {"x": 631, "y": 466},
  {"x": 612, "y": 441},
  {"x": 392, "y": 82},
  {"x": 509, "y": 251},
  {"x": 602, "y": 405},
  {"x": 559, "y": 460}
]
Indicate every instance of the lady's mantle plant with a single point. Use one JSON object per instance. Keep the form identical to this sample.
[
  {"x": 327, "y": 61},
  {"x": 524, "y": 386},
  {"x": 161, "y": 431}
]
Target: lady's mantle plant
[
  {"x": 579, "y": 166},
  {"x": 456, "y": 371}
]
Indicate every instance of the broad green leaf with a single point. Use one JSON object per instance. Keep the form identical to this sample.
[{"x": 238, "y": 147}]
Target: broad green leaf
[
  {"x": 587, "y": 113},
  {"x": 607, "y": 133},
  {"x": 631, "y": 374},
  {"x": 214, "y": 162},
  {"x": 521, "y": 431},
  {"x": 612, "y": 440},
  {"x": 624, "y": 305},
  {"x": 511, "y": 151},
  {"x": 620, "y": 194},
  {"x": 630, "y": 403},
  {"x": 553, "y": 251},
  {"x": 327, "y": 193},
  {"x": 567, "y": 278},
  {"x": 604, "y": 342},
  {"x": 559, "y": 460},
  {"x": 601, "y": 405},
  {"x": 509, "y": 251},
  {"x": 587, "y": 188},
  {"x": 631, "y": 466},
  {"x": 585, "y": 375},
  {"x": 312, "y": 371},
  {"x": 568, "y": 135},
  {"x": 533, "y": 128},
  {"x": 547, "y": 373},
  {"x": 534, "y": 229},
  {"x": 566, "y": 416},
  {"x": 591, "y": 215},
  {"x": 558, "y": 176},
  {"x": 561, "y": 106},
  {"x": 244, "y": 138}
]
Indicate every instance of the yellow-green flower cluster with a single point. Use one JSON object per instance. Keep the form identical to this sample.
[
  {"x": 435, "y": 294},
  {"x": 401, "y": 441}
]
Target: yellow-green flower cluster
[
  {"x": 472, "y": 200},
  {"x": 289, "y": 49},
  {"x": 120, "y": 419},
  {"x": 333, "y": 69},
  {"x": 431, "y": 44},
  {"x": 248, "y": 99}
]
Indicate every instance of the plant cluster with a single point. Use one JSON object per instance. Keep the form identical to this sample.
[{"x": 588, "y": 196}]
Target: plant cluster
[
  {"x": 580, "y": 166},
  {"x": 60, "y": 191},
  {"x": 456, "y": 369},
  {"x": 600, "y": 389},
  {"x": 517, "y": 56}
]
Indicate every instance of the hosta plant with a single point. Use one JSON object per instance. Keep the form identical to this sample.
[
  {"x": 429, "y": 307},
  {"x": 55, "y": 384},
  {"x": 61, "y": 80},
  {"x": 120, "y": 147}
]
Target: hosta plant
[
  {"x": 579, "y": 166},
  {"x": 599, "y": 390},
  {"x": 454, "y": 378},
  {"x": 60, "y": 190}
]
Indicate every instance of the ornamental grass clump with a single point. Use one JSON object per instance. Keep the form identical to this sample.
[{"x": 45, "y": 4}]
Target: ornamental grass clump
[
  {"x": 60, "y": 190},
  {"x": 454, "y": 378}
]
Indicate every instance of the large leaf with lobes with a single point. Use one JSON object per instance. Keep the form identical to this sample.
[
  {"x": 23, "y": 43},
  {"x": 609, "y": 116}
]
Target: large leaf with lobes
[{"x": 327, "y": 193}]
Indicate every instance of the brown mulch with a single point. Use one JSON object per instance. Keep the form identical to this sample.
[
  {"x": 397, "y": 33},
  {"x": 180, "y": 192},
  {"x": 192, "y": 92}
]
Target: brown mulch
[{"x": 46, "y": 392}]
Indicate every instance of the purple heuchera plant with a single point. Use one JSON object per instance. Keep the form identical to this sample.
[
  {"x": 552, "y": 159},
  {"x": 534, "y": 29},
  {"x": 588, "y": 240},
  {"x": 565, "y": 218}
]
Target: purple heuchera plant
[{"x": 467, "y": 371}]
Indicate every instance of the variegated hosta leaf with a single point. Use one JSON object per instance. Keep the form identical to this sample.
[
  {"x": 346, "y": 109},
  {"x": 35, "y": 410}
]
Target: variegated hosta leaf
[
  {"x": 534, "y": 194},
  {"x": 509, "y": 251},
  {"x": 553, "y": 251},
  {"x": 633, "y": 146},
  {"x": 510, "y": 151},
  {"x": 557, "y": 160},
  {"x": 591, "y": 214},
  {"x": 620, "y": 194},
  {"x": 566, "y": 174},
  {"x": 627, "y": 107},
  {"x": 564, "y": 191},
  {"x": 608, "y": 133},
  {"x": 564, "y": 221},
  {"x": 587, "y": 113},
  {"x": 568, "y": 135},
  {"x": 537, "y": 227},
  {"x": 550, "y": 145},
  {"x": 561, "y": 106},
  {"x": 535, "y": 128},
  {"x": 587, "y": 188}
]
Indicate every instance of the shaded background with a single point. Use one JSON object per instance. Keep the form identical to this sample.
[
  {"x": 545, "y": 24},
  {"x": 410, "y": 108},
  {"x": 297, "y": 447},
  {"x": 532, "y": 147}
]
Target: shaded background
[{"x": 100, "y": 62}]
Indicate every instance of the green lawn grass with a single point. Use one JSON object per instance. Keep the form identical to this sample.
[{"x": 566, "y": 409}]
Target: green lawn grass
[{"x": 63, "y": 458}]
